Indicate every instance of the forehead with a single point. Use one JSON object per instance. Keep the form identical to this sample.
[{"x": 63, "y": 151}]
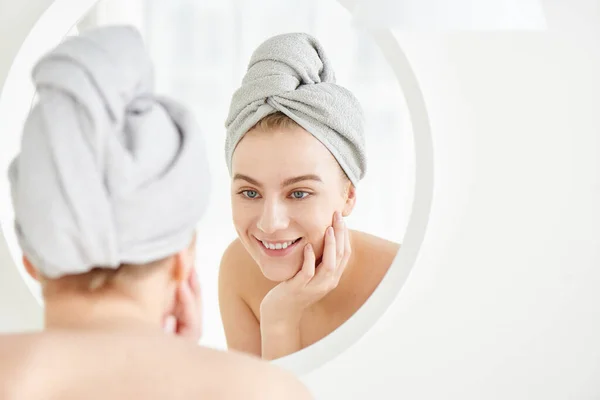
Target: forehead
[{"x": 282, "y": 153}]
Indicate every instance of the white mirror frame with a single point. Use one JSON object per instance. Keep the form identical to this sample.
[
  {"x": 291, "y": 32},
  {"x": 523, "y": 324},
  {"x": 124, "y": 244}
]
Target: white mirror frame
[{"x": 18, "y": 92}]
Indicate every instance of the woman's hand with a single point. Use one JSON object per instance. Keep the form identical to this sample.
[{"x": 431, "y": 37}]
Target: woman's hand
[
  {"x": 186, "y": 319},
  {"x": 282, "y": 308}
]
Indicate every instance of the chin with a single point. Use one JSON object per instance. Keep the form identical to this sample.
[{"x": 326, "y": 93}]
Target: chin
[{"x": 278, "y": 272}]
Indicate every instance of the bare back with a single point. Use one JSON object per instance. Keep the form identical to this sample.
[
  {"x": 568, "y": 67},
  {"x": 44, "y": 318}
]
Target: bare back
[
  {"x": 242, "y": 288},
  {"x": 76, "y": 365}
]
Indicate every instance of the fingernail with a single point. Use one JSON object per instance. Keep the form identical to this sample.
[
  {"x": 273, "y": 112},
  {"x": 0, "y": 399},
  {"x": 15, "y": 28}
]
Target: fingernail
[
  {"x": 338, "y": 216},
  {"x": 330, "y": 231},
  {"x": 308, "y": 247}
]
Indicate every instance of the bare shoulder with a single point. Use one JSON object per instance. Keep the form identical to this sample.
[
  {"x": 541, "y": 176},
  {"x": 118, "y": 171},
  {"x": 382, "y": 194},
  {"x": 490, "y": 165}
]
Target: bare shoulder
[
  {"x": 176, "y": 367},
  {"x": 378, "y": 250},
  {"x": 237, "y": 375},
  {"x": 22, "y": 376},
  {"x": 236, "y": 260},
  {"x": 376, "y": 255},
  {"x": 14, "y": 353},
  {"x": 234, "y": 255},
  {"x": 239, "y": 271},
  {"x": 259, "y": 379}
]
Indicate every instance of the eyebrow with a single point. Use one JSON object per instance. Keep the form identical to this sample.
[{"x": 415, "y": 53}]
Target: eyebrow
[{"x": 287, "y": 182}]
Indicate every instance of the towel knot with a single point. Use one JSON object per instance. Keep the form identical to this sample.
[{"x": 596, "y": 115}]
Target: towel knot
[
  {"x": 108, "y": 173},
  {"x": 291, "y": 73}
]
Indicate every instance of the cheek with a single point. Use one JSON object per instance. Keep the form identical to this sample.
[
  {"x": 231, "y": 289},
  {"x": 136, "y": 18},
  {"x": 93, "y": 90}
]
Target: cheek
[
  {"x": 238, "y": 219},
  {"x": 313, "y": 214},
  {"x": 241, "y": 214},
  {"x": 314, "y": 219}
]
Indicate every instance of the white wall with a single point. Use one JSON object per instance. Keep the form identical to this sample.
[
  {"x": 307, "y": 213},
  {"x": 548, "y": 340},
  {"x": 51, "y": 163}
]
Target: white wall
[{"x": 503, "y": 302}]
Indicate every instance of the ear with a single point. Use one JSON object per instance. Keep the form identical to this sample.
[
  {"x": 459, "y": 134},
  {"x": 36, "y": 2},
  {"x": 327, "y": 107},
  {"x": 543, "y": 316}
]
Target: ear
[
  {"x": 30, "y": 268},
  {"x": 350, "y": 201}
]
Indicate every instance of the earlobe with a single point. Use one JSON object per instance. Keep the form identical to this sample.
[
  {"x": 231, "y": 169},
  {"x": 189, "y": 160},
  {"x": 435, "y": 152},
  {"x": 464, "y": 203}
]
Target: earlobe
[{"x": 30, "y": 268}]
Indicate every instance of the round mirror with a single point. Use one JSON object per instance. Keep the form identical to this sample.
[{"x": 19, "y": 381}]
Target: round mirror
[{"x": 201, "y": 52}]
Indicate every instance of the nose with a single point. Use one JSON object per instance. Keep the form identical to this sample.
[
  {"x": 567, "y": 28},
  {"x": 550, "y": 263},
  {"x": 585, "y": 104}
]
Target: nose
[{"x": 273, "y": 217}]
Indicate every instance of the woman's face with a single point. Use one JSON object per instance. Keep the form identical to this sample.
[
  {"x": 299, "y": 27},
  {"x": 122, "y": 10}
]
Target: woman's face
[{"x": 285, "y": 189}]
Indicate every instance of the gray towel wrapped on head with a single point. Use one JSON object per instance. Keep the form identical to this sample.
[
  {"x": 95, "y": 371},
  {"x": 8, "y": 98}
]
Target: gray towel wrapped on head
[
  {"x": 291, "y": 73},
  {"x": 108, "y": 172}
]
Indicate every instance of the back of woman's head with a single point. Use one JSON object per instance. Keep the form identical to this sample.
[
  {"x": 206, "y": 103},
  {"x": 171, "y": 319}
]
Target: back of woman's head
[{"x": 111, "y": 179}]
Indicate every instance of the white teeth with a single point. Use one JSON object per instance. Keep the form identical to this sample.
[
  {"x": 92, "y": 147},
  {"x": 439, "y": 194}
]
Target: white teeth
[{"x": 277, "y": 246}]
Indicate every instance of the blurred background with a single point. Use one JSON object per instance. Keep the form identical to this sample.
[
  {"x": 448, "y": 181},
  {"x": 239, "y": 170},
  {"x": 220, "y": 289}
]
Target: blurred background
[{"x": 201, "y": 50}]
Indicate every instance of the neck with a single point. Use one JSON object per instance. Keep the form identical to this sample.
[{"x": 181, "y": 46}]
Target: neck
[{"x": 104, "y": 312}]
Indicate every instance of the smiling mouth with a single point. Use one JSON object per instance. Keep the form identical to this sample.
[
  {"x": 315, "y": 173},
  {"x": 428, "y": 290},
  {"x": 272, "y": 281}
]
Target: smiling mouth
[{"x": 278, "y": 245}]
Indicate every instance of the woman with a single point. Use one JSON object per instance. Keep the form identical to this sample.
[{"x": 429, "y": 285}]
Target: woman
[
  {"x": 295, "y": 150},
  {"x": 107, "y": 190}
]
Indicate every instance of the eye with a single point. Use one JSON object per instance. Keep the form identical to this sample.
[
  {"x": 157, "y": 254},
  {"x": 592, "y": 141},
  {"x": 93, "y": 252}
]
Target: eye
[
  {"x": 251, "y": 194},
  {"x": 298, "y": 194}
]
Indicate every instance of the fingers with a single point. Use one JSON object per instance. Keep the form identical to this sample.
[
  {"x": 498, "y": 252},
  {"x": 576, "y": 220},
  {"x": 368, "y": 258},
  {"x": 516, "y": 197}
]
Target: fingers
[
  {"x": 307, "y": 271},
  {"x": 335, "y": 254},
  {"x": 343, "y": 261},
  {"x": 169, "y": 324},
  {"x": 308, "y": 267},
  {"x": 328, "y": 261},
  {"x": 187, "y": 312},
  {"x": 339, "y": 228},
  {"x": 311, "y": 282},
  {"x": 195, "y": 288},
  {"x": 348, "y": 246}
]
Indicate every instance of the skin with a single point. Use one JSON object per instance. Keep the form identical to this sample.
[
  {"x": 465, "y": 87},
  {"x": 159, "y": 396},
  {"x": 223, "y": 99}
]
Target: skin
[
  {"x": 113, "y": 345},
  {"x": 286, "y": 185}
]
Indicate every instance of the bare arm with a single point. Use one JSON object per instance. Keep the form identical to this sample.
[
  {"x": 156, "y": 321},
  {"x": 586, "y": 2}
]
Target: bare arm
[
  {"x": 283, "y": 385},
  {"x": 278, "y": 339},
  {"x": 243, "y": 334},
  {"x": 242, "y": 329}
]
